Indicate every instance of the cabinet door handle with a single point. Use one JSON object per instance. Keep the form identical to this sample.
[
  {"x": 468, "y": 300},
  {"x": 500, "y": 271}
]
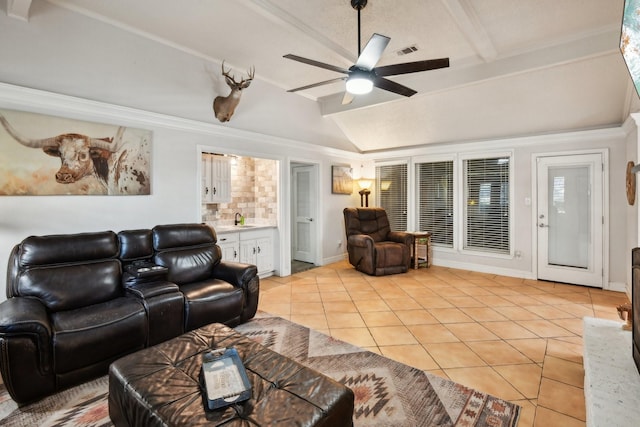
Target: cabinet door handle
[
  {"x": 254, "y": 250},
  {"x": 258, "y": 249},
  {"x": 235, "y": 254},
  {"x": 206, "y": 190},
  {"x": 214, "y": 190},
  {"x": 223, "y": 239}
]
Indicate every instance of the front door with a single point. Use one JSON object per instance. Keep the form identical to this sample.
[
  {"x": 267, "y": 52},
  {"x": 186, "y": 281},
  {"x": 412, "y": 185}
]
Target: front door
[
  {"x": 570, "y": 219},
  {"x": 303, "y": 213}
]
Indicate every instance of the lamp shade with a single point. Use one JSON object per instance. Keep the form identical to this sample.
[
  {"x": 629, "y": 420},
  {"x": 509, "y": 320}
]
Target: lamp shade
[{"x": 365, "y": 183}]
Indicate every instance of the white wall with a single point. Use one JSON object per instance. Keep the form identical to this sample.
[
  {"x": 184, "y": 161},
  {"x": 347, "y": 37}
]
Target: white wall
[{"x": 524, "y": 150}]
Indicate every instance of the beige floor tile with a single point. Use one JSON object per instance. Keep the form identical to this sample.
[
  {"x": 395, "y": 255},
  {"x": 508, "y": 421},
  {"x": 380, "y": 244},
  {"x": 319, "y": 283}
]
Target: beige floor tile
[
  {"x": 465, "y": 301},
  {"x": 402, "y": 304},
  {"x": 565, "y": 350},
  {"x": 277, "y": 309},
  {"x": 497, "y": 353},
  {"x": 435, "y": 333},
  {"x": 371, "y": 305},
  {"x": 381, "y": 318},
  {"x": 454, "y": 355},
  {"x": 360, "y": 337},
  {"x": 578, "y": 310},
  {"x": 533, "y": 348},
  {"x": 522, "y": 300},
  {"x": 416, "y": 317},
  {"x": 517, "y": 313},
  {"x": 340, "y": 307},
  {"x": 306, "y": 297},
  {"x": 412, "y": 355},
  {"x": 544, "y": 328},
  {"x": 363, "y": 295},
  {"x": 527, "y": 413},
  {"x": 345, "y": 320},
  {"x": 313, "y": 321},
  {"x": 433, "y": 302},
  {"x": 575, "y": 325},
  {"x": 471, "y": 332},
  {"x": 564, "y": 371},
  {"x": 335, "y": 296},
  {"x": 485, "y": 379},
  {"x": 483, "y": 314},
  {"x": 392, "y": 335},
  {"x": 508, "y": 330},
  {"x": 525, "y": 378},
  {"x": 306, "y": 308},
  {"x": 450, "y": 315},
  {"x": 548, "y": 312},
  {"x": 493, "y": 301},
  {"x": 548, "y": 418},
  {"x": 563, "y": 398}
]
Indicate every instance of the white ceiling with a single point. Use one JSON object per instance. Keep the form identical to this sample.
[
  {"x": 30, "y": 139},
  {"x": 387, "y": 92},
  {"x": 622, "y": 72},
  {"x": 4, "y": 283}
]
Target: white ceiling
[{"x": 517, "y": 67}]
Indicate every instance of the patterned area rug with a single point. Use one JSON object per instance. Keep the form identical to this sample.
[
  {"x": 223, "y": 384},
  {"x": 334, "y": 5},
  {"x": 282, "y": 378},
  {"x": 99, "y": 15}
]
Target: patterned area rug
[{"x": 387, "y": 393}]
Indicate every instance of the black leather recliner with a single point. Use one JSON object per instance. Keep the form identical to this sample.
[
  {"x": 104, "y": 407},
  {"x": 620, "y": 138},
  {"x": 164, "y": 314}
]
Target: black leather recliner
[
  {"x": 373, "y": 248},
  {"x": 67, "y": 316},
  {"x": 214, "y": 291}
]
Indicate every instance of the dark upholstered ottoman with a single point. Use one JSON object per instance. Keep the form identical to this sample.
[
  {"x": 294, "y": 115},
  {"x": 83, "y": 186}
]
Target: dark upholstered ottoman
[{"x": 158, "y": 386}]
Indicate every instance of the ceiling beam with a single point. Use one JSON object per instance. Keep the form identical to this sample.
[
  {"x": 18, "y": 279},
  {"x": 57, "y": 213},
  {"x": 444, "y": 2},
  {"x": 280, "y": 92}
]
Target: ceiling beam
[
  {"x": 460, "y": 74},
  {"x": 19, "y": 9},
  {"x": 275, "y": 13},
  {"x": 467, "y": 19}
]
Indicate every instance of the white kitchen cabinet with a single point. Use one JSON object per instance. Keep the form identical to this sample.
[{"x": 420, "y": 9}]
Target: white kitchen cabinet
[
  {"x": 249, "y": 247},
  {"x": 229, "y": 244},
  {"x": 216, "y": 178}
]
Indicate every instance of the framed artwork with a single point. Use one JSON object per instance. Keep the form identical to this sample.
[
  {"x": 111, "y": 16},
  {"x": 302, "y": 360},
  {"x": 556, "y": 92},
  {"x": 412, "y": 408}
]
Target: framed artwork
[
  {"x": 341, "y": 180},
  {"x": 49, "y": 155}
]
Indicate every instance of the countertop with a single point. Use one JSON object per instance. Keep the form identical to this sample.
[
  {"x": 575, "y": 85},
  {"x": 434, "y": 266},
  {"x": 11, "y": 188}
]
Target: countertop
[{"x": 238, "y": 228}]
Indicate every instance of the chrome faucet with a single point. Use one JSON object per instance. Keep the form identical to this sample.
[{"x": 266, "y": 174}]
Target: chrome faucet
[{"x": 236, "y": 221}]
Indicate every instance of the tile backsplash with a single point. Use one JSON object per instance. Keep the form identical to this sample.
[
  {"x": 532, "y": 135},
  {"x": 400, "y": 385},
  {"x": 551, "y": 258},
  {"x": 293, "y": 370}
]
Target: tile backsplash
[{"x": 254, "y": 193}]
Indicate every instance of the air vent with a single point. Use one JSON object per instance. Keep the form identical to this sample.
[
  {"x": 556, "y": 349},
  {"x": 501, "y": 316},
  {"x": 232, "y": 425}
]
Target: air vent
[{"x": 407, "y": 50}]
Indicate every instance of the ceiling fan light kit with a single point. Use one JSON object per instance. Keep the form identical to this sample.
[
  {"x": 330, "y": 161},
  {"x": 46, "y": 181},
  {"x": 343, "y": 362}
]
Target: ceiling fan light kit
[
  {"x": 364, "y": 75},
  {"x": 359, "y": 84}
]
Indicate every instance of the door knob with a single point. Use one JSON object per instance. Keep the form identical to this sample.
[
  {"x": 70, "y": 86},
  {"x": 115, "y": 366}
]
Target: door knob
[{"x": 541, "y": 225}]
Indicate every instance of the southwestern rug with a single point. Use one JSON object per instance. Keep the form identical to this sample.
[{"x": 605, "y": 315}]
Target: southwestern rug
[{"x": 387, "y": 393}]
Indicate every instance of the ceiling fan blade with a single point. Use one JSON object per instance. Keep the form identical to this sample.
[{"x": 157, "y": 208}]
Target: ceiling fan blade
[
  {"x": 316, "y": 63},
  {"x": 347, "y": 98},
  {"x": 372, "y": 51},
  {"x": 392, "y": 86},
  {"x": 411, "y": 67},
  {"x": 326, "y": 82}
]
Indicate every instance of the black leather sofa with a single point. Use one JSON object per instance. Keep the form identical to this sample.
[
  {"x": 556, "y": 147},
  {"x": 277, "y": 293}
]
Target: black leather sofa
[{"x": 77, "y": 302}]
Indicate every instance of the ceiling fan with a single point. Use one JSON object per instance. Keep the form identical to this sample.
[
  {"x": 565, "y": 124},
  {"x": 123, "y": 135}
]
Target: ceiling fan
[{"x": 363, "y": 75}]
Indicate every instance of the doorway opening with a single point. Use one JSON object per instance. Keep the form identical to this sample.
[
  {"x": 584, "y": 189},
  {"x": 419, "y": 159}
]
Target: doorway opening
[
  {"x": 304, "y": 214},
  {"x": 570, "y": 218}
]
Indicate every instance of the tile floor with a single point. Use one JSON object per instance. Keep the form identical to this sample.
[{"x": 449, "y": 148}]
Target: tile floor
[{"x": 517, "y": 339}]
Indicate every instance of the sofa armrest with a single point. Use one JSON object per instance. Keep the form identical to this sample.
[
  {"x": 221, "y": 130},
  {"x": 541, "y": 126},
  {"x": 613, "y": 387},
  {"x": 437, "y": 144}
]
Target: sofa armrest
[
  {"x": 235, "y": 273},
  {"x": 360, "y": 241},
  {"x": 244, "y": 276},
  {"x": 401, "y": 237},
  {"x": 21, "y": 316}
]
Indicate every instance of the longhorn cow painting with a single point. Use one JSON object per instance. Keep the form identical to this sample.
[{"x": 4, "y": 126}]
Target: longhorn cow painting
[{"x": 47, "y": 155}]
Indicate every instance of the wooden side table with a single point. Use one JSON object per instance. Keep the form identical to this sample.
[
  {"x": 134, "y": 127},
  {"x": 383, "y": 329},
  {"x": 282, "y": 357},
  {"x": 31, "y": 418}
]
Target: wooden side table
[{"x": 422, "y": 251}]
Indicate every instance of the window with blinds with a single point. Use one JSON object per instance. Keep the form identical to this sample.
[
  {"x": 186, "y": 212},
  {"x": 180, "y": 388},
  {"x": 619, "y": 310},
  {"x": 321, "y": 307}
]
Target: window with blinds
[
  {"x": 391, "y": 194},
  {"x": 487, "y": 205},
  {"x": 434, "y": 182}
]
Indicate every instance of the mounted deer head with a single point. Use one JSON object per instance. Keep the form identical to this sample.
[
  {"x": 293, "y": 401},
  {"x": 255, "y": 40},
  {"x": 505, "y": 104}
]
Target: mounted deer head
[{"x": 224, "y": 106}]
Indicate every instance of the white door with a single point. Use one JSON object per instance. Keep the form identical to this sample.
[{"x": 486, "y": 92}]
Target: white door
[
  {"x": 570, "y": 219},
  {"x": 303, "y": 212}
]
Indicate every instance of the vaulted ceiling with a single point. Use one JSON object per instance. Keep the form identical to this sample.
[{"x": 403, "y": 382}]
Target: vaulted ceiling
[{"x": 516, "y": 67}]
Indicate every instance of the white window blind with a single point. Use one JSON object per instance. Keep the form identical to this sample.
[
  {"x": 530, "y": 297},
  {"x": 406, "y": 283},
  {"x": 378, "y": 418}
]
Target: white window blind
[
  {"x": 487, "y": 205},
  {"x": 391, "y": 194},
  {"x": 434, "y": 182}
]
